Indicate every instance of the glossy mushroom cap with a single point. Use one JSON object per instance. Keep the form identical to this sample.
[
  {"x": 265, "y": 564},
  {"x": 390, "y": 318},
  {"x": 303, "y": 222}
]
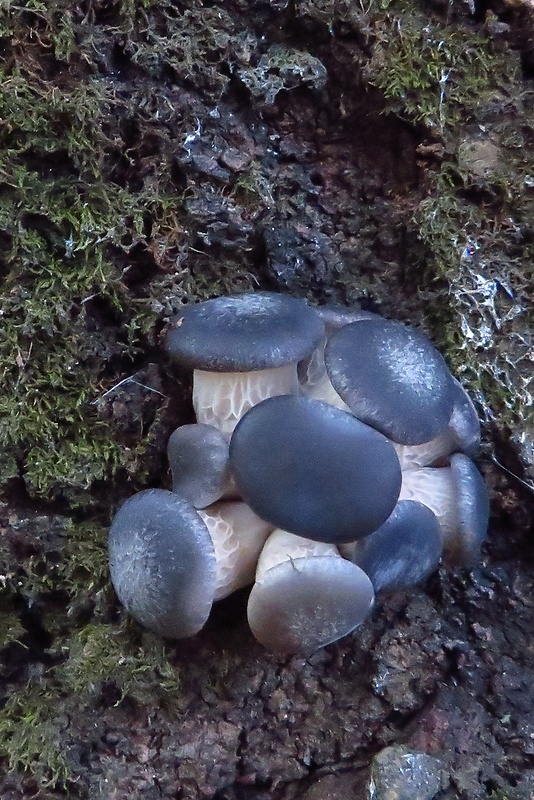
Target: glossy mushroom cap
[
  {"x": 244, "y": 333},
  {"x": 473, "y": 511},
  {"x": 238, "y": 536},
  {"x": 305, "y": 595},
  {"x": 198, "y": 458},
  {"x": 314, "y": 381},
  {"x": 243, "y": 349},
  {"x": 464, "y": 424},
  {"x": 392, "y": 378},
  {"x": 462, "y": 434},
  {"x": 162, "y": 563},
  {"x": 458, "y": 497},
  {"x": 314, "y": 470},
  {"x": 404, "y": 551}
]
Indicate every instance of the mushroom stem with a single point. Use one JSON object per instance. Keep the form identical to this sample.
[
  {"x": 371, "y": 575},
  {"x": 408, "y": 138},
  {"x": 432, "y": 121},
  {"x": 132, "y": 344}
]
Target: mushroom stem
[
  {"x": 222, "y": 398},
  {"x": 323, "y": 390},
  {"x": 416, "y": 456},
  {"x": 238, "y": 536},
  {"x": 284, "y": 546},
  {"x": 436, "y": 489}
]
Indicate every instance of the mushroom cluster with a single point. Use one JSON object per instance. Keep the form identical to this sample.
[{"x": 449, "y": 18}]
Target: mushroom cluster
[{"x": 331, "y": 460}]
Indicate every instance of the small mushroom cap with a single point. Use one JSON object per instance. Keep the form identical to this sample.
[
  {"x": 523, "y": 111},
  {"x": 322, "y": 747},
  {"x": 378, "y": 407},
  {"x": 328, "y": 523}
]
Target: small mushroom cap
[
  {"x": 392, "y": 378},
  {"x": 404, "y": 551},
  {"x": 306, "y": 603},
  {"x": 473, "y": 512},
  {"x": 244, "y": 333},
  {"x": 314, "y": 470},
  {"x": 464, "y": 423},
  {"x": 162, "y": 563},
  {"x": 198, "y": 458}
]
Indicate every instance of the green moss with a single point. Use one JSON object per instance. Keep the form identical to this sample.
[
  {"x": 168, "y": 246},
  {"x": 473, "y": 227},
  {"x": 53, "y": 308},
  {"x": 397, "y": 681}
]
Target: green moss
[
  {"x": 59, "y": 219},
  {"x": 11, "y": 629},
  {"x": 35, "y": 733},
  {"x": 428, "y": 71},
  {"x": 30, "y": 735},
  {"x": 136, "y": 662}
]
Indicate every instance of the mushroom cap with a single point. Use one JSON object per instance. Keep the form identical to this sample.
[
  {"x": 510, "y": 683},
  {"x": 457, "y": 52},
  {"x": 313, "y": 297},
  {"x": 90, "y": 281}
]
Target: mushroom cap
[
  {"x": 314, "y": 470},
  {"x": 464, "y": 423},
  {"x": 244, "y": 332},
  {"x": 198, "y": 458},
  {"x": 306, "y": 603},
  {"x": 392, "y": 378},
  {"x": 335, "y": 316},
  {"x": 473, "y": 512},
  {"x": 162, "y": 563},
  {"x": 404, "y": 551}
]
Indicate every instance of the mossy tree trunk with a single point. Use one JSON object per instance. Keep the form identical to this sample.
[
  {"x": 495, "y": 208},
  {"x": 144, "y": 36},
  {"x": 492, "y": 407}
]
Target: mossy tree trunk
[{"x": 156, "y": 153}]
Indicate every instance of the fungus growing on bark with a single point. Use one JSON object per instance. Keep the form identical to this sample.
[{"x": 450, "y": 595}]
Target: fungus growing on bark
[
  {"x": 314, "y": 470},
  {"x": 198, "y": 458},
  {"x": 458, "y": 497},
  {"x": 321, "y": 475},
  {"x": 162, "y": 563},
  {"x": 242, "y": 349},
  {"x": 392, "y": 378},
  {"x": 305, "y": 595}
]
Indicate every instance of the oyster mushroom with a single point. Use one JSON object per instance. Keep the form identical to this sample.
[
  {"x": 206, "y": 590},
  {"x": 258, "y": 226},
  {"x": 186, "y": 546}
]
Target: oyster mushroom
[
  {"x": 458, "y": 497},
  {"x": 392, "y": 378},
  {"x": 305, "y": 595},
  {"x": 198, "y": 458},
  {"x": 242, "y": 349},
  {"x": 162, "y": 563},
  {"x": 314, "y": 470}
]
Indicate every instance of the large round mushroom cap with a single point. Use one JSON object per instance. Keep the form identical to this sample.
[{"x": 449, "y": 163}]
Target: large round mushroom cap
[
  {"x": 244, "y": 332},
  {"x": 392, "y": 378},
  {"x": 162, "y": 563},
  {"x": 303, "y": 604},
  {"x": 404, "y": 551},
  {"x": 314, "y": 470}
]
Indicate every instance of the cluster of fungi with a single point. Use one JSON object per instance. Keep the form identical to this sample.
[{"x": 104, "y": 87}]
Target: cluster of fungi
[{"x": 331, "y": 460}]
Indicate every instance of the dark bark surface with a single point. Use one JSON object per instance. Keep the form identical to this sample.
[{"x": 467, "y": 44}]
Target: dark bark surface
[{"x": 160, "y": 153}]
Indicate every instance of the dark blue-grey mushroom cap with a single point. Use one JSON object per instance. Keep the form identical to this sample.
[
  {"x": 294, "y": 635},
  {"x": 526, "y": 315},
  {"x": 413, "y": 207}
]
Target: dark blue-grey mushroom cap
[
  {"x": 404, "y": 551},
  {"x": 314, "y": 470},
  {"x": 473, "y": 512},
  {"x": 392, "y": 378},
  {"x": 199, "y": 462},
  {"x": 464, "y": 423},
  {"x": 243, "y": 333},
  {"x": 303, "y": 604},
  {"x": 162, "y": 563}
]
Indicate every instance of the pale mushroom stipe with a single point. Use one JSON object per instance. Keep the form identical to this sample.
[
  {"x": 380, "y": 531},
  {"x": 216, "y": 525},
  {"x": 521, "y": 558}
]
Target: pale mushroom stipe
[{"x": 344, "y": 431}]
